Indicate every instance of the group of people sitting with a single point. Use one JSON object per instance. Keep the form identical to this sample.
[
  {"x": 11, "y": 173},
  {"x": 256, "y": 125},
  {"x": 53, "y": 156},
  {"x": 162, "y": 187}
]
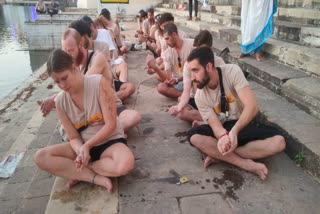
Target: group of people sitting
[
  {"x": 51, "y": 10},
  {"x": 93, "y": 76}
]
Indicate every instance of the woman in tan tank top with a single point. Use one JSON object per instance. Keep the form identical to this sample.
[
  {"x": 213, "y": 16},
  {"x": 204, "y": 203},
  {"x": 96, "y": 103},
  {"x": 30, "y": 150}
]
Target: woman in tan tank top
[{"x": 86, "y": 108}]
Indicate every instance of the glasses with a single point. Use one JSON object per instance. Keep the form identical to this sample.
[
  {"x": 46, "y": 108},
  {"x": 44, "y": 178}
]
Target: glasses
[{"x": 179, "y": 62}]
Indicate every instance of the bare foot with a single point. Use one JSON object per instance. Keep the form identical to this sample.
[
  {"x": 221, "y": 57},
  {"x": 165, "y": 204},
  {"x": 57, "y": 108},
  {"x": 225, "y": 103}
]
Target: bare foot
[
  {"x": 104, "y": 182},
  {"x": 257, "y": 168},
  {"x": 208, "y": 161},
  {"x": 196, "y": 123},
  {"x": 71, "y": 183},
  {"x": 242, "y": 55},
  {"x": 258, "y": 56}
]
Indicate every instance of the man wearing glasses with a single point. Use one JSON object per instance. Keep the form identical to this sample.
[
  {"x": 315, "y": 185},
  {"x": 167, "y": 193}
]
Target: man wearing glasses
[{"x": 174, "y": 58}]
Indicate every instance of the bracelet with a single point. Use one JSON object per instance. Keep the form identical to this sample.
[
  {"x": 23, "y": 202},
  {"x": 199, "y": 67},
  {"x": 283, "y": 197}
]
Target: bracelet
[{"x": 227, "y": 133}]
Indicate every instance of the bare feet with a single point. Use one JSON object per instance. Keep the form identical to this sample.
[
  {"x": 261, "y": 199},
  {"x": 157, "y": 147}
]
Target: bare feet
[
  {"x": 104, "y": 182},
  {"x": 196, "y": 123},
  {"x": 243, "y": 55},
  {"x": 71, "y": 183},
  {"x": 258, "y": 56},
  {"x": 257, "y": 168},
  {"x": 208, "y": 161}
]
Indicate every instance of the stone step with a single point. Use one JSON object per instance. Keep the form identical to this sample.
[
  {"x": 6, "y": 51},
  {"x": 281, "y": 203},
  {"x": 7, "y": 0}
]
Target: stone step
[
  {"x": 298, "y": 33},
  {"x": 299, "y": 15},
  {"x": 64, "y": 17},
  {"x": 307, "y": 35},
  {"x": 310, "y": 4},
  {"x": 297, "y": 56},
  {"x": 83, "y": 198},
  {"x": 272, "y": 74}
]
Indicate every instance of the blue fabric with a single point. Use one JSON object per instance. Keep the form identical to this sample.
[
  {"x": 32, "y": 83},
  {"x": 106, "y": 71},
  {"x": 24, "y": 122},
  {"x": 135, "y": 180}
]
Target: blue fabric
[{"x": 262, "y": 36}]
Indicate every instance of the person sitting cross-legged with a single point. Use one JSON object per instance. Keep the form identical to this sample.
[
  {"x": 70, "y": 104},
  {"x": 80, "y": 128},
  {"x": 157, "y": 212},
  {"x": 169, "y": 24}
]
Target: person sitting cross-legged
[
  {"x": 228, "y": 106},
  {"x": 86, "y": 108},
  {"x": 174, "y": 58}
]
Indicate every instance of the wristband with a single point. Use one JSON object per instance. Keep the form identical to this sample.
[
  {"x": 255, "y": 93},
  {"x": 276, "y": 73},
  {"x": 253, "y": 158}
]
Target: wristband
[{"x": 227, "y": 133}]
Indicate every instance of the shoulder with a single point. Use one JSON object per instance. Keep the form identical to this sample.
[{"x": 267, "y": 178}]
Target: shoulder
[
  {"x": 93, "y": 80},
  {"x": 230, "y": 69},
  {"x": 218, "y": 61},
  {"x": 100, "y": 45},
  {"x": 188, "y": 43},
  {"x": 60, "y": 97}
]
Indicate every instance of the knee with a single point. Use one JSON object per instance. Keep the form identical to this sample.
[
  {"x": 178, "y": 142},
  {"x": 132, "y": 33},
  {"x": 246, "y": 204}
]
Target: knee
[
  {"x": 162, "y": 88},
  {"x": 40, "y": 158},
  {"x": 125, "y": 166},
  {"x": 136, "y": 117},
  {"x": 194, "y": 140},
  {"x": 159, "y": 61},
  {"x": 280, "y": 143},
  {"x": 130, "y": 87},
  {"x": 183, "y": 115}
]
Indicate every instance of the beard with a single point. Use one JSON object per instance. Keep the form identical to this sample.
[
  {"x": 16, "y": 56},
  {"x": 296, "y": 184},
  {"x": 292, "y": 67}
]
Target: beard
[
  {"x": 79, "y": 58},
  {"x": 204, "y": 82}
]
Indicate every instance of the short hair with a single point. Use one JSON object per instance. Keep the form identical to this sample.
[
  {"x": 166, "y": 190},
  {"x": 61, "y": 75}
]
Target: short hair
[
  {"x": 97, "y": 22},
  {"x": 203, "y": 38},
  {"x": 142, "y": 14},
  {"x": 86, "y": 19},
  {"x": 170, "y": 29},
  {"x": 166, "y": 17},
  {"x": 105, "y": 13},
  {"x": 151, "y": 10},
  {"x": 58, "y": 61},
  {"x": 203, "y": 54},
  {"x": 82, "y": 27},
  {"x": 70, "y": 32}
]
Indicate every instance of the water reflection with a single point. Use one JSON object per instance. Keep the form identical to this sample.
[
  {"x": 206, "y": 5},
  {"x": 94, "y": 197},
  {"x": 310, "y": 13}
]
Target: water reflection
[{"x": 16, "y": 62}]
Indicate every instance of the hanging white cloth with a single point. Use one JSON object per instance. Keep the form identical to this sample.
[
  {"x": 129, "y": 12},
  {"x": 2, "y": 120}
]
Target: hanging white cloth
[{"x": 256, "y": 23}]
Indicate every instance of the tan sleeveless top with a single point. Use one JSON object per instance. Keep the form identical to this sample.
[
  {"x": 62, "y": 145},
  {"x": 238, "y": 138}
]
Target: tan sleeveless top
[
  {"x": 92, "y": 115},
  {"x": 82, "y": 70}
]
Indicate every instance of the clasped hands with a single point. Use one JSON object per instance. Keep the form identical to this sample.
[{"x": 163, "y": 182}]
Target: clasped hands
[
  {"x": 228, "y": 142},
  {"x": 83, "y": 157}
]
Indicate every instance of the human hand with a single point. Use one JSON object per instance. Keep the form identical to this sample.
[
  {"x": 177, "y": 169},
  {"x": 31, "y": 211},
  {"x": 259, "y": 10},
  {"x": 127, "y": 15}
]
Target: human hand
[
  {"x": 150, "y": 61},
  {"x": 174, "y": 110},
  {"x": 46, "y": 105},
  {"x": 224, "y": 144},
  {"x": 233, "y": 135},
  {"x": 83, "y": 157},
  {"x": 171, "y": 82}
]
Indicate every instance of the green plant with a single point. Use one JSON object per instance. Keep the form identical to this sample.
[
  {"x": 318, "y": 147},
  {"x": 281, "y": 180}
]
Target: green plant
[{"x": 299, "y": 158}]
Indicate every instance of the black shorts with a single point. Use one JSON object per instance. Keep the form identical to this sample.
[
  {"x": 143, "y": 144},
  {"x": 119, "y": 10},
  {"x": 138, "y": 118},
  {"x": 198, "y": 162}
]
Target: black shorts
[
  {"x": 192, "y": 103},
  {"x": 117, "y": 84},
  {"x": 121, "y": 109},
  {"x": 253, "y": 131},
  {"x": 96, "y": 151}
]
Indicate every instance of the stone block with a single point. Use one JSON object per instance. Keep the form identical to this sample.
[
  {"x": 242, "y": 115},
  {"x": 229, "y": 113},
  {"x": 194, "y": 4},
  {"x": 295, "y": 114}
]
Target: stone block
[
  {"x": 168, "y": 206},
  {"x": 150, "y": 147},
  {"x": 305, "y": 92},
  {"x": 215, "y": 203},
  {"x": 9, "y": 206},
  {"x": 35, "y": 205},
  {"x": 40, "y": 188},
  {"x": 83, "y": 198},
  {"x": 22, "y": 175},
  {"x": 14, "y": 191},
  {"x": 163, "y": 169}
]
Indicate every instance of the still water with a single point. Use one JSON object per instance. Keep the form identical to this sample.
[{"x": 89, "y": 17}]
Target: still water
[{"x": 16, "y": 62}]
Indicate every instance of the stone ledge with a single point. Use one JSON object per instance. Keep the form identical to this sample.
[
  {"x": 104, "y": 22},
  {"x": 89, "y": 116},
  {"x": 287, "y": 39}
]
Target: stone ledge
[
  {"x": 300, "y": 129},
  {"x": 83, "y": 198}
]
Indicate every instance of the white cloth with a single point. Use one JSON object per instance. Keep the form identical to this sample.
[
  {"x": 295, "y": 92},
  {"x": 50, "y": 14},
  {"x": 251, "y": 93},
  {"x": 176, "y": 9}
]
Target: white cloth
[
  {"x": 256, "y": 23},
  {"x": 104, "y": 36}
]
